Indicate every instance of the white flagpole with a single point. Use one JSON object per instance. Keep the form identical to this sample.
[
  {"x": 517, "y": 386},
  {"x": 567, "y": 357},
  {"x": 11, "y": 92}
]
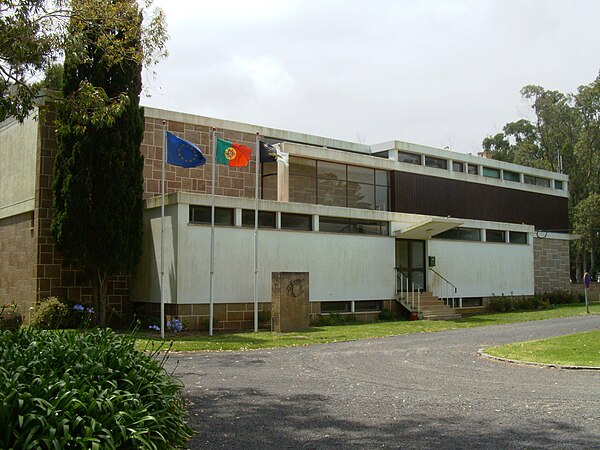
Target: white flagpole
[
  {"x": 162, "y": 235},
  {"x": 257, "y": 151},
  {"x": 212, "y": 232}
]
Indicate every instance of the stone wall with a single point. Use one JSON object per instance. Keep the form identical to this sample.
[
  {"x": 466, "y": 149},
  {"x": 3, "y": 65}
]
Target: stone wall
[
  {"x": 17, "y": 262},
  {"x": 232, "y": 182},
  {"x": 551, "y": 264}
]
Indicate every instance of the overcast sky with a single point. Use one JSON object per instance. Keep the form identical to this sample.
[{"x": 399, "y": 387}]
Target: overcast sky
[{"x": 439, "y": 73}]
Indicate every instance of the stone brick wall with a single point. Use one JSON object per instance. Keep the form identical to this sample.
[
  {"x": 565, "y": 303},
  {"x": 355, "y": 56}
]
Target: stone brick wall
[
  {"x": 233, "y": 182},
  {"x": 551, "y": 264},
  {"x": 51, "y": 277},
  {"x": 17, "y": 262}
]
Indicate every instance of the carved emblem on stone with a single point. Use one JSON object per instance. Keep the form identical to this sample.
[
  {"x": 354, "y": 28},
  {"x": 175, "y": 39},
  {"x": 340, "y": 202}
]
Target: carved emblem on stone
[{"x": 295, "y": 288}]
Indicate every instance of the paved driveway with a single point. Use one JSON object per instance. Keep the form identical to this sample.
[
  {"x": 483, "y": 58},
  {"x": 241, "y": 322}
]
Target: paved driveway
[{"x": 428, "y": 390}]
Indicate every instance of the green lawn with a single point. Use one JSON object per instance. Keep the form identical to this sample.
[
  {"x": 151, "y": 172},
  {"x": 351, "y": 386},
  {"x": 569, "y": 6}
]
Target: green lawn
[
  {"x": 320, "y": 335},
  {"x": 582, "y": 349}
]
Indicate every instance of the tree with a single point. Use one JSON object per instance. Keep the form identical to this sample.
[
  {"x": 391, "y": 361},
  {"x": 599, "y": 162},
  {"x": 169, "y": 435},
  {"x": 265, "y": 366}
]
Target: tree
[
  {"x": 98, "y": 207},
  {"x": 564, "y": 136},
  {"x": 34, "y": 35},
  {"x": 31, "y": 35}
]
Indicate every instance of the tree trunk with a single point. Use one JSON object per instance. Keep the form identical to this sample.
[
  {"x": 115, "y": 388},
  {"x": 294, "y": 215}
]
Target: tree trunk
[
  {"x": 578, "y": 267},
  {"x": 100, "y": 297}
]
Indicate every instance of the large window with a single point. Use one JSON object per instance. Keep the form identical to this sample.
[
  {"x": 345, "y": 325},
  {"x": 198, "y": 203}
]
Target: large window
[
  {"x": 530, "y": 179},
  {"x": 491, "y": 173},
  {"x": 410, "y": 158},
  {"x": 335, "y": 184},
  {"x": 495, "y": 236},
  {"x": 517, "y": 237},
  {"x": 511, "y": 176},
  {"x": 437, "y": 163},
  {"x": 461, "y": 234},
  {"x": 355, "y": 226},
  {"x": 201, "y": 214},
  {"x": 266, "y": 219},
  {"x": 296, "y": 222}
]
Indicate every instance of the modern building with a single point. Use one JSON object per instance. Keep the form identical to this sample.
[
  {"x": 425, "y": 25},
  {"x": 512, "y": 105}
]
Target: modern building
[{"x": 368, "y": 224}]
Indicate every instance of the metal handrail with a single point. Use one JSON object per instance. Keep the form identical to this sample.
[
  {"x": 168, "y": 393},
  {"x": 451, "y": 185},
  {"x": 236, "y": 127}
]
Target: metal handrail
[
  {"x": 447, "y": 286},
  {"x": 401, "y": 277}
]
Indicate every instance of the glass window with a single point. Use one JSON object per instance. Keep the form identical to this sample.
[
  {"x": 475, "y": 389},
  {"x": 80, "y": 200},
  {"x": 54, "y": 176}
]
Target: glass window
[
  {"x": 366, "y": 227},
  {"x": 335, "y": 307},
  {"x": 383, "y": 154},
  {"x": 334, "y": 225},
  {"x": 517, "y": 237},
  {"x": 368, "y": 305},
  {"x": 331, "y": 192},
  {"x": 302, "y": 166},
  {"x": 296, "y": 222},
  {"x": 469, "y": 234},
  {"x": 402, "y": 253},
  {"x": 417, "y": 252},
  {"x": 382, "y": 177},
  {"x": 528, "y": 179},
  {"x": 303, "y": 189},
  {"x": 491, "y": 173},
  {"x": 458, "y": 166},
  {"x": 361, "y": 174},
  {"x": 331, "y": 171},
  {"x": 410, "y": 158},
  {"x": 558, "y": 184},
  {"x": 381, "y": 198},
  {"x": 361, "y": 195},
  {"x": 266, "y": 219},
  {"x": 437, "y": 163},
  {"x": 201, "y": 214},
  {"x": 472, "y": 302},
  {"x": 511, "y": 176},
  {"x": 472, "y": 169},
  {"x": 495, "y": 236},
  {"x": 542, "y": 182},
  {"x": 462, "y": 234}
]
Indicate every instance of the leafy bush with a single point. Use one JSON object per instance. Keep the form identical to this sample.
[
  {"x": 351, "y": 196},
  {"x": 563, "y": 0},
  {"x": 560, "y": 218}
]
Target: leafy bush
[
  {"x": 386, "y": 315},
  {"x": 71, "y": 389},
  {"x": 507, "y": 304},
  {"x": 560, "y": 297},
  {"x": 51, "y": 314},
  {"x": 10, "y": 319},
  {"x": 264, "y": 319}
]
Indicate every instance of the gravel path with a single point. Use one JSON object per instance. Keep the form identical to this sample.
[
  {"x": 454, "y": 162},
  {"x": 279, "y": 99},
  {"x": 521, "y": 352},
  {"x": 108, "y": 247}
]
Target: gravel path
[{"x": 428, "y": 390}]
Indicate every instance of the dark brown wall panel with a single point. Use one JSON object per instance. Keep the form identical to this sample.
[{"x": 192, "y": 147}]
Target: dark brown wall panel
[{"x": 421, "y": 194}]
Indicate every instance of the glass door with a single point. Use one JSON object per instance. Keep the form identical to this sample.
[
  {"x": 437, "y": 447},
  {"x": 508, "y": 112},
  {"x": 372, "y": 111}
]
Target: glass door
[{"x": 410, "y": 260}]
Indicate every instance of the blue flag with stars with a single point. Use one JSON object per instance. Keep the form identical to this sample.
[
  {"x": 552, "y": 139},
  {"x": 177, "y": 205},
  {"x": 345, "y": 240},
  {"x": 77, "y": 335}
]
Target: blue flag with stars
[{"x": 183, "y": 153}]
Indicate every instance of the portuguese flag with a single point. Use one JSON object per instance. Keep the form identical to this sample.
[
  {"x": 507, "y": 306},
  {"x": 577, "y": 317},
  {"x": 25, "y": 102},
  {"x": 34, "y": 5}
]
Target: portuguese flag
[{"x": 235, "y": 155}]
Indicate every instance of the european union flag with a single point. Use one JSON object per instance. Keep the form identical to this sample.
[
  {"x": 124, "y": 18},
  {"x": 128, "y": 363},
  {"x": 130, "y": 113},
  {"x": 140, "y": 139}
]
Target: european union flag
[{"x": 183, "y": 153}]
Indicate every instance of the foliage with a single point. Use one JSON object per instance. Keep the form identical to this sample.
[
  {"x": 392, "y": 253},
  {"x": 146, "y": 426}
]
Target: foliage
[
  {"x": 51, "y": 314},
  {"x": 10, "y": 319},
  {"x": 35, "y": 33},
  {"x": 526, "y": 303},
  {"x": 85, "y": 390},
  {"x": 561, "y": 297},
  {"x": 386, "y": 314},
  {"x": 98, "y": 181},
  {"x": 264, "y": 319},
  {"x": 564, "y": 136}
]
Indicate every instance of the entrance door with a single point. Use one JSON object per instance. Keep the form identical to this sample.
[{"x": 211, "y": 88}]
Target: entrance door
[{"x": 410, "y": 260}]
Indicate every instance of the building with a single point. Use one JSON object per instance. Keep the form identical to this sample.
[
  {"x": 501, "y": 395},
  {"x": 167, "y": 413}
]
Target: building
[{"x": 364, "y": 221}]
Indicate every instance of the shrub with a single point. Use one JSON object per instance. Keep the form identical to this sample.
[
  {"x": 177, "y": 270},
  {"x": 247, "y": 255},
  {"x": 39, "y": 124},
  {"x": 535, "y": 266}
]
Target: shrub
[
  {"x": 264, "y": 319},
  {"x": 51, "y": 314},
  {"x": 10, "y": 319},
  {"x": 71, "y": 389},
  {"x": 386, "y": 315},
  {"x": 507, "y": 304},
  {"x": 559, "y": 297}
]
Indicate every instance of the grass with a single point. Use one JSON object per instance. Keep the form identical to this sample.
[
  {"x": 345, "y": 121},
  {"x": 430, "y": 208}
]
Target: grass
[
  {"x": 582, "y": 349},
  {"x": 326, "y": 334}
]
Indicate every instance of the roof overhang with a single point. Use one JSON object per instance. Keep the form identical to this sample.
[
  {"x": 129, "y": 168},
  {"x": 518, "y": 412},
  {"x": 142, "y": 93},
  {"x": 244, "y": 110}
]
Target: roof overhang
[{"x": 427, "y": 228}]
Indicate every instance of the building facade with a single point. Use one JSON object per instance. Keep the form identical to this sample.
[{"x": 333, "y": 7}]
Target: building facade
[{"x": 366, "y": 223}]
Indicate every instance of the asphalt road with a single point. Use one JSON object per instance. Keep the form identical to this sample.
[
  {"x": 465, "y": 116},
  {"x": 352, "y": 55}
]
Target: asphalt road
[{"x": 428, "y": 390}]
